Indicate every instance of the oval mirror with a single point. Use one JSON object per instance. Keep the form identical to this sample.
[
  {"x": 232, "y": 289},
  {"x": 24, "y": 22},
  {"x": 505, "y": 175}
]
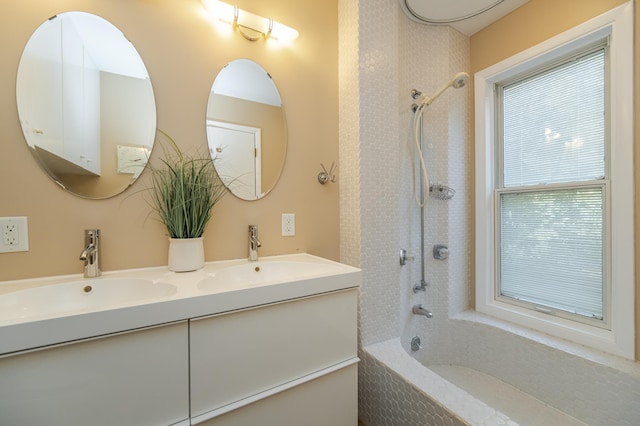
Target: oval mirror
[
  {"x": 246, "y": 129},
  {"x": 86, "y": 105}
]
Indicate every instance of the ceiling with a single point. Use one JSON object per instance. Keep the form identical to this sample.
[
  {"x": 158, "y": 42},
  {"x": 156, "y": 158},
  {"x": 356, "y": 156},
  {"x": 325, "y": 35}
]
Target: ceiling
[{"x": 466, "y": 16}]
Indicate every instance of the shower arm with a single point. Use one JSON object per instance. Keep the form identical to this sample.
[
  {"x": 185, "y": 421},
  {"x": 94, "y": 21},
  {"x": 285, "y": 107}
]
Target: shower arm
[
  {"x": 459, "y": 80},
  {"x": 428, "y": 100}
]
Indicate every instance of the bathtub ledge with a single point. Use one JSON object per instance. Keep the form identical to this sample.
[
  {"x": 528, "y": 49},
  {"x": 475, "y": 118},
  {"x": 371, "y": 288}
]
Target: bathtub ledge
[
  {"x": 608, "y": 360},
  {"x": 460, "y": 403}
]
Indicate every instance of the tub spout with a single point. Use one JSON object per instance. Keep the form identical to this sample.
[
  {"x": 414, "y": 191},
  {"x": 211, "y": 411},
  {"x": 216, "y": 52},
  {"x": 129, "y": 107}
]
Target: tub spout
[{"x": 419, "y": 310}]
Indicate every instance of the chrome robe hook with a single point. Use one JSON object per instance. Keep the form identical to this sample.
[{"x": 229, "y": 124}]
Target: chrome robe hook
[{"x": 327, "y": 176}]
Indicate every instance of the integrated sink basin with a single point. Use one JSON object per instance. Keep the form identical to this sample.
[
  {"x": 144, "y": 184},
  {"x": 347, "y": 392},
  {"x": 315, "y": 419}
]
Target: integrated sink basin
[
  {"x": 51, "y": 310},
  {"x": 80, "y": 295},
  {"x": 266, "y": 272}
]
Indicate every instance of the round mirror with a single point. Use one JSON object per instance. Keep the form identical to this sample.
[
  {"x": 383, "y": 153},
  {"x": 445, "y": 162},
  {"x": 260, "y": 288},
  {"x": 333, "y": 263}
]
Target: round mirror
[
  {"x": 246, "y": 129},
  {"x": 86, "y": 105}
]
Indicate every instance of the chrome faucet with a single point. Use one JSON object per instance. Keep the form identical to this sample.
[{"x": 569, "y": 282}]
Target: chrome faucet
[
  {"x": 254, "y": 243},
  {"x": 419, "y": 310},
  {"x": 91, "y": 253}
]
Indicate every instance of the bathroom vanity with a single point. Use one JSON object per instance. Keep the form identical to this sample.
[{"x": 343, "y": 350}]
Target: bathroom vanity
[{"x": 267, "y": 342}]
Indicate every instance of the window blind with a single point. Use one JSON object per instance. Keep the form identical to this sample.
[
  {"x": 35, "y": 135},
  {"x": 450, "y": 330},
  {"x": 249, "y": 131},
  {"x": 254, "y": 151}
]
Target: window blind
[
  {"x": 554, "y": 124},
  {"x": 552, "y": 248}
]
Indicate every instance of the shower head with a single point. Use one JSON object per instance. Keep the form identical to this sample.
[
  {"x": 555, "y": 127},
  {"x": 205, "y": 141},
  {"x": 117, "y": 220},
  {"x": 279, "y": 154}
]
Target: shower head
[{"x": 459, "y": 80}]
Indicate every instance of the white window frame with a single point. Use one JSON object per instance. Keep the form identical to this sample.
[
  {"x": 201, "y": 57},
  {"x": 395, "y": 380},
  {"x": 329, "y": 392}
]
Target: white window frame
[{"x": 617, "y": 25}]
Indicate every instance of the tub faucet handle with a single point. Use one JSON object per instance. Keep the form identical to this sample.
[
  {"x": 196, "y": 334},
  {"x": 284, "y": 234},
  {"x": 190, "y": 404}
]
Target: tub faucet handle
[
  {"x": 440, "y": 252},
  {"x": 416, "y": 345},
  {"x": 404, "y": 257},
  {"x": 421, "y": 286}
]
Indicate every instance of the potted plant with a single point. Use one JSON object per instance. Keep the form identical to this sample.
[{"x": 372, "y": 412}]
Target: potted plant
[{"x": 184, "y": 191}]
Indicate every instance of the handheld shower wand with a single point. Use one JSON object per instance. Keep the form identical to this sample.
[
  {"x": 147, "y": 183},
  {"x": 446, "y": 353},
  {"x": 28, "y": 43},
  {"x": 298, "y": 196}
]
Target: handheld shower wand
[{"x": 459, "y": 80}]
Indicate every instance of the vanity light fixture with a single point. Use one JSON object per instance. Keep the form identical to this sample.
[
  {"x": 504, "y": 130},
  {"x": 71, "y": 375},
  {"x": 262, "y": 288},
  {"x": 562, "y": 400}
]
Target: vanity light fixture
[{"x": 252, "y": 27}]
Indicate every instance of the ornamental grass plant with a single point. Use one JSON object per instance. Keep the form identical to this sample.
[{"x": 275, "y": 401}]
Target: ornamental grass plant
[{"x": 184, "y": 190}]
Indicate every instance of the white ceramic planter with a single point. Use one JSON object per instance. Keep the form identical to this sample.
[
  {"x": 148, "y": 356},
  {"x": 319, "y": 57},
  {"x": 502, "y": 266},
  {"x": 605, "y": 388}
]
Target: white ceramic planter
[{"x": 186, "y": 254}]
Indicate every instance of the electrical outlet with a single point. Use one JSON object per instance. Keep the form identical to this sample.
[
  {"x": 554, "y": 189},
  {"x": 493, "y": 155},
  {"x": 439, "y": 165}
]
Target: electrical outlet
[
  {"x": 10, "y": 235},
  {"x": 14, "y": 234},
  {"x": 288, "y": 224}
]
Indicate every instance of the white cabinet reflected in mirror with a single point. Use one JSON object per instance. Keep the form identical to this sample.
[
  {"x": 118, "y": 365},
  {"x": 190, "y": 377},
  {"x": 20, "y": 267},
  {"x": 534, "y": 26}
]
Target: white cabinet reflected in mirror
[
  {"x": 246, "y": 129},
  {"x": 86, "y": 104}
]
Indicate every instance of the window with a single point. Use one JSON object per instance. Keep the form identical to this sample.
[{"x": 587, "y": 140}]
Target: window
[
  {"x": 554, "y": 186},
  {"x": 551, "y": 189}
]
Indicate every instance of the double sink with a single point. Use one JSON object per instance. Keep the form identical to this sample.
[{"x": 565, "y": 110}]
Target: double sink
[{"x": 46, "y": 311}]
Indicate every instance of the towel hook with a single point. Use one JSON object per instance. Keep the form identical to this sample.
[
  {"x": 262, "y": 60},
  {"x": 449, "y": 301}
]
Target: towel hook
[{"x": 327, "y": 176}]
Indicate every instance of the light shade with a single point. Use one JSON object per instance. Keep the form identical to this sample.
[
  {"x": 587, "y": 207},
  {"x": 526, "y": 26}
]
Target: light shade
[{"x": 252, "y": 27}]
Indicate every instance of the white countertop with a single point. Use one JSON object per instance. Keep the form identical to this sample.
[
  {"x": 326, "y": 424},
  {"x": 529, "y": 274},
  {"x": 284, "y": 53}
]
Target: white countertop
[{"x": 189, "y": 301}]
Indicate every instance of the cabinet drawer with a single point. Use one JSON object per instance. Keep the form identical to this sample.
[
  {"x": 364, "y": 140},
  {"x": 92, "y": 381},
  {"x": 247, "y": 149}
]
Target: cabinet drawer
[
  {"x": 240, "y": 354},
  {"x": 132, "y": 378},
  {"x": 328, "y": 400}
]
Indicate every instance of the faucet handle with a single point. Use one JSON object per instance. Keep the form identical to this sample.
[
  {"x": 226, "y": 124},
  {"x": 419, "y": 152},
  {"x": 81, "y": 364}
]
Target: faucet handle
[
  {"x": 91, "y": 236},
  {"x": 254, "y": 243},
  {"x": 253, "y": 234}
]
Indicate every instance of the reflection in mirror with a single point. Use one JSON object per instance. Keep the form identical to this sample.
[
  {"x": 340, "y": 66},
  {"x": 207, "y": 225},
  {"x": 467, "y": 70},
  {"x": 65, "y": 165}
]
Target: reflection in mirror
[
  {"x": 86, "y": 104},
  {"x": 246, "y": 129}
]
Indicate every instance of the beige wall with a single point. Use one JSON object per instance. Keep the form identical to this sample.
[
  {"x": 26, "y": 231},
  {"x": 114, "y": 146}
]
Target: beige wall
[
  {"x": 183, "y": 53},
  {"x": 533, "y": 23}
]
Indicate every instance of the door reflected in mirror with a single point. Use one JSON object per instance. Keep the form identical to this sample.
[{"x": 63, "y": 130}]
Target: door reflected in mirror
[
  {"x": 86, "y": 104},
  {"x": 246, "y": 129}
]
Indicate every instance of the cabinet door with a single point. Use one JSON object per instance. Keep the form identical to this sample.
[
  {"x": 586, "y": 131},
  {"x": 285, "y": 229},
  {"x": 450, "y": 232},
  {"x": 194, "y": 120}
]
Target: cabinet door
[
  {"x": 241, "y": 354},
  {"x": 135, "y": 378}
]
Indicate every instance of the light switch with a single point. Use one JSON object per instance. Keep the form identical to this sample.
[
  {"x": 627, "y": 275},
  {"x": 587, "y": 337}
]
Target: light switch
[{"x": 288, "y": 224}]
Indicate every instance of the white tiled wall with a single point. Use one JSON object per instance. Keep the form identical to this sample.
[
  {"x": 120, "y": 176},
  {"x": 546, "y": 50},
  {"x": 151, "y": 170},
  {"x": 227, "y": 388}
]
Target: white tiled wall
[
  {"x": 349, "y": 132},
  {"x": 383, "y": 55},
  {"x": 369, "y": 156}
]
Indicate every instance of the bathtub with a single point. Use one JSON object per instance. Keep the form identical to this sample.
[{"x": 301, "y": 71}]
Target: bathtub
[{"x": 479, "y": 374}]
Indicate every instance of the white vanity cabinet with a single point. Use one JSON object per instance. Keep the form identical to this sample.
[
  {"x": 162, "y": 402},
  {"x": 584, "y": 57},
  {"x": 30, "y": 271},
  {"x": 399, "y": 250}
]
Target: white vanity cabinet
[
  {"x": 132, "y": 378},
  {"x": 286, "y": 363},
  {"x": 277, "y": 352}
]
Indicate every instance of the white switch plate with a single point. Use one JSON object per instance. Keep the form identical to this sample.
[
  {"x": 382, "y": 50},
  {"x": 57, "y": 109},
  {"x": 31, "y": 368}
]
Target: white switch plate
[
  {"x": 14, "y": 234},
  {"x": 288, "y": 224}
]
